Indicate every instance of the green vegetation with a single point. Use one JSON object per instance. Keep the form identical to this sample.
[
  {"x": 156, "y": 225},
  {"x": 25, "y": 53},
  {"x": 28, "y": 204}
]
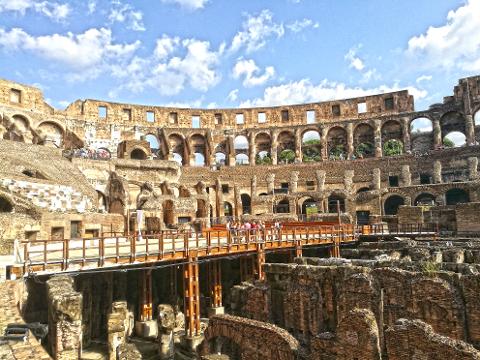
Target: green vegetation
[
  {"x": 430, "y": 268},
  {"x": 338, "y": 151},
  {"x": 448, "y": 143},
  {"x": 392, "y": 147},
  {"x": 311, "y": 151},
  {"x": 364, "y": 149},
  {"x": 263, "y": 160},
  {"x": 287, "y": 156}
]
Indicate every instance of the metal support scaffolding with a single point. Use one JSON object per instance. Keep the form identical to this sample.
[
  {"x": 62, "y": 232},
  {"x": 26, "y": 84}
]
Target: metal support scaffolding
[
  {"x": 145, "y": 303},
  {"x": 260, "y": 262},
  {"x": 192, "y": 297},
  {"x": 215, "y": 283},
  {"x": 246, "y": 268}
]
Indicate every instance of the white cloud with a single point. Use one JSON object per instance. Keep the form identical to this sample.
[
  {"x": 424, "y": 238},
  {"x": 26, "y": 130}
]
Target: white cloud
[
  {"x": 249, "y": 69},
  {"x": 256, "y": 30},
  {"x": 299, "y": 25},
  {"x": 53, "y": 10},
  {"x": 303, "y": 91},
  {"x": 174, "y": 64},
  {"x": 87, "y": 54},
  {"x": 453, "y": 45},
  {"x": 188, "y": 4},
  {"x": 125, "y": 13},
  {"x": 63, "y": 103},
  {"x": 91, "y": 5},
  {"x": 354, "y": 61},
  {"x": 233, "y": 95},
  {"x": 423, "y": 78}
]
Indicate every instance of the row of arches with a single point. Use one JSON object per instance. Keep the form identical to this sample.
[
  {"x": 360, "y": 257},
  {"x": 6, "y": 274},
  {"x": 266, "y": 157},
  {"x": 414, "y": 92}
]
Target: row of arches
[{"x": 19, "y": 128}]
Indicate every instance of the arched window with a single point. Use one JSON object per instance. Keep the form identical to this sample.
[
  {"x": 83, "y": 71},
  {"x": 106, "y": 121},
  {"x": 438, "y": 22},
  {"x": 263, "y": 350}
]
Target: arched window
[
  {"x": 337, "y": 143},
  {"x": 241, "y": 159},
  {"x": 336, "y": 203},
  {"x": 311, "y": 146},
  {"x": 227, "y": 209},
  {"x": 425, "y": 199},
  {"x": 199, "y": 159},
  {"x": 421, "y": 134},
  {"x": 246, "y": 204},
  {"x": 456, "y": 196},
  {"x": 138, "y": 154},
  {"x": 282, "y": 207},
  {"x": 309, "y": 206},
  {"x": 220, "y": 158},
  {"x": 454, "y": 139},
  {"x": 263, "y": 145},
  {"x": 392, "y": 147},
  {"x": 178, "y": 158},
  {"x": 392, "y": 204},
  {"x": 363, "y": 141}
]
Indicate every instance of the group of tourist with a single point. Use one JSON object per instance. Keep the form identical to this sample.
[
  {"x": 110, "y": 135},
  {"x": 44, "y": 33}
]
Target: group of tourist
[
  {"x": 241, "y": 228},
  {"x": 88, "y": 153}
]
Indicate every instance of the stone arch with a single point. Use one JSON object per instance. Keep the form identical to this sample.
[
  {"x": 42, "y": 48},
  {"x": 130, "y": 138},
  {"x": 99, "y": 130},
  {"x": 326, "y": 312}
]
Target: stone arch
[
  {"x": 17, "y": 129},
  {"x": 457, "y": 196},
  {"x": 311, "y": 145},
  {"x": 177, "y": 148},
  {"x": 138, "y": 154},
  {"x": 308, "y": 203},
  {"x": 52, "y": 134},
  {"x": 364, "y": 140},
  {"x": 241, "y": 146},
  {"x": 337, "y": 143},
  {"x": 286, "y": 146},
  {"x": 227, "y": 209},
  {"x": 155, "y": 145},
  {"x": 198, "y": 145},
  {"x": 454, "y": 139},
  {"x": 263, "y": 148},
  {"x": 424, "y": 199},
  {"x": 392, "y": 130},
  {"x": 220, "y": 153},
  {"x": 335, "y": 199},
  {"x": 102, "y": 201},
  {"x": 5, "y": 205},
  {"x": 246, "y": 204},
  {"x": 282, "y": 207},
  {"x": 392, "y": 203},
  {"x": 421, "y": 134},
  {"x": 452, "y": 121}
]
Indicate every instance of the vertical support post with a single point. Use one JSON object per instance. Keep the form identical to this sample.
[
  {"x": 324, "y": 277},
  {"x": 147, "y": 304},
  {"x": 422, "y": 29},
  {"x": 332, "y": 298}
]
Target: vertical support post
[
  {"x": 298, "y": 249},
  {"x": 260, "y": 261},
  {"x": 192, "y": 297},
  {"x": 246, "y": 268},
  {"x": 145, "y": 295},
  {"x": 215, "y": 287}
]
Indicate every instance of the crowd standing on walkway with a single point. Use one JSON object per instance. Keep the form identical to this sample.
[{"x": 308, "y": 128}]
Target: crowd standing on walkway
[{"x": 241, "y": 228}]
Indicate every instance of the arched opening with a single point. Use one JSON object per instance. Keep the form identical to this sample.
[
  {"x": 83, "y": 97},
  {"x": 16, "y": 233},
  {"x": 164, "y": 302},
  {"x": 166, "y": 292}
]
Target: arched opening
[
  {"x": 476, "y": 119},
  {"x": 286, "y": 147},
  {"x": 393, "y": 147},
  {"x": 177, "y": 147},
  {"x": 309, "y": 207},
  {"x": 363, "y": 189},
  {"x": 103, "y": 154},
  {"x": 424, "y": 199},
  {"x": 227, "y": 209},
  {"x": 287, "y": 156},
  {"x": 335, "y": 203},
  {"x": 199, "y": 148},
  {"x": 220, "y": 158},
  {"x": 5, "y": 205},
  {"x": 452, "y": 121},
  {"x": 18, "y": 129},
  {"x": 138, "y": 154},
  {"x": 154, "y": 145},
  {"x": 392, "y": 204},
  {"x": 51, "y": 133},
  {"x": 240, "y": 146},
  {"x": 246, "y": 204},
  {"x": 337, "y": 143},
  {"x": 421, "y": 134},
  {"x": 241, "y": 159},
  {"x": 282, "y": 207},
  {"x": 263, "y": 145},
  {"x": 363, "y": 141},
  {"x": 456, "y": 196},
  {"x": 102, "y": 201},
  {"x": 168, "y": 212},
  {"x": 454, "y": 139},
  {"x": 311, "y": 146}
]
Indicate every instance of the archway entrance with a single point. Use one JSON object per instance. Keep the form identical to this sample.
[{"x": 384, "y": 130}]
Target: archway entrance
[
  {"x": 392, "y": 204},
  {"x": 456, "y": 196}
]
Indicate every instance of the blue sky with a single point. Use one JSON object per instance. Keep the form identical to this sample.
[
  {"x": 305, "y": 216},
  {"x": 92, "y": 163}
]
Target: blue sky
[{"x": 231, "y": 53}]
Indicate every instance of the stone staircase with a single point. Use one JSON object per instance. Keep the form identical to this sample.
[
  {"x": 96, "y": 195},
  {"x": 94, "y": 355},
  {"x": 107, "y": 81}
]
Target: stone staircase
[{"x": 55, "y": 198}]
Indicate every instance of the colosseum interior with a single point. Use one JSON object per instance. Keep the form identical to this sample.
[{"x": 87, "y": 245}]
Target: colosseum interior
[{"x": 118, "y": 229}]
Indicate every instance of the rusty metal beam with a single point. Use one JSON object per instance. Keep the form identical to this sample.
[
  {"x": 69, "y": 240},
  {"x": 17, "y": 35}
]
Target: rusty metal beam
[
  {"x": 192, "y": 297},
  {"x": 215, "y": 283},
  {"x": 145, "y": 292}
]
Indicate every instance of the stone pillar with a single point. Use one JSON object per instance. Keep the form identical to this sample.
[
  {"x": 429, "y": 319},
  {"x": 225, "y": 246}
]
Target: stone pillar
[
  {"x": 251, "y": 149},
  {"x": 437, "y": 172},
  {"x": 320, "y": 175},
  {"x": 274, "y": 154},
  {"x": 146, "y": 326},
  {"x": 218, "y": 198},
  {"x": 350, "y": 148},
  {"x": 166, "y": 325},
  {"x": 294, "y": 182},
  {"x": 64, "y": 318},
  {"x": 253, "y": 187},
  {"x": 298, "y": 146},
  {"x": 270, "y": 183},
  {"x": 376, "y": 179},
  {"x": 437, "y": 134},
  {"x": 469, "y": 129},
  {"x": 348, "y": 180},
  {"x": 377, "y": 133},
  {"x": 231, "y": 151},
  {"x": 120, "y": 326},
  {"x": 406, "y": 176},
  {"x": 406, "y": 135},
  {"x": 472, "y": 168},
  {"x": 323, "y": 143}
]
